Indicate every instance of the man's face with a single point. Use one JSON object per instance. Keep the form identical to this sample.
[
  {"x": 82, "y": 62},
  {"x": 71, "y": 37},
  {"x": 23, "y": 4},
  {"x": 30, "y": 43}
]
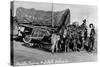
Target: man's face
[{"x": 91, "y": 26}]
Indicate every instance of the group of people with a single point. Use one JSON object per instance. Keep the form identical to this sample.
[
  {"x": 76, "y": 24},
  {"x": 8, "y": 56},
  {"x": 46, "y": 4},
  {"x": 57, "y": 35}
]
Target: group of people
[{"x": 74, "y": 37}]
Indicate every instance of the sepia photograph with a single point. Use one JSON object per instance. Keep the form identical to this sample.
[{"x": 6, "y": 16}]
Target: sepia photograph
[{"x": 52, "y": 33}]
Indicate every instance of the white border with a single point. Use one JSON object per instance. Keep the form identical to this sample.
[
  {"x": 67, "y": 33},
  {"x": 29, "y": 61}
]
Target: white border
[{"x": 5, "y": 32}]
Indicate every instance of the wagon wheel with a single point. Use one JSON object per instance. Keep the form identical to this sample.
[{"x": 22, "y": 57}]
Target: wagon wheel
[{"x": 27, "y": 39}]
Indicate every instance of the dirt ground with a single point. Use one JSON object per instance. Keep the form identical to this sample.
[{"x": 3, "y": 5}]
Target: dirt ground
[{"x": 32, "y": 56}]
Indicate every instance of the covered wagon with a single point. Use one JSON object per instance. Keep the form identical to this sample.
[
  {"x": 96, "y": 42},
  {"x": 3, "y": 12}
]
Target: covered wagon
[{"x": 39, "y": 24}]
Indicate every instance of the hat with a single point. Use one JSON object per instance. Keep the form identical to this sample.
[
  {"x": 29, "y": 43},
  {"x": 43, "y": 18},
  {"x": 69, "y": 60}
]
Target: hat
[{"x": 84, "y": 20}]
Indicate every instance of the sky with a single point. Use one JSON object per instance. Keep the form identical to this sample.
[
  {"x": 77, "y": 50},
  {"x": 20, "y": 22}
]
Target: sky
[{"x": 78, "y": 12}]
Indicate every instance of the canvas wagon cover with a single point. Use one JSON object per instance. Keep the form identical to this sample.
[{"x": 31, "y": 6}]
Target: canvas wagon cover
[{"x": 41, "y": 17}]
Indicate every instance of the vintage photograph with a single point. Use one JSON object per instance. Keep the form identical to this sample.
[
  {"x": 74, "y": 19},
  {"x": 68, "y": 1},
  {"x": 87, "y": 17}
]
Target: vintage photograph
[{"x": 52, "y": 33}]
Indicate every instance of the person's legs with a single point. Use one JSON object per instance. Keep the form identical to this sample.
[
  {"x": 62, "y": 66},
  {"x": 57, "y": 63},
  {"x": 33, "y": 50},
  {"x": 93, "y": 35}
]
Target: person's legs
[
  {"x": 65, "y": 47},
  {"x": 52, "y": 48},
  {"x": 56, "y": 45},
  {"x": 82, "y": 44},
  {"x": 92, "y": 44},
  {"x": 78, "y": 44},
  {"x": 68, "y": 43},
  {"x": 75, "y": 45},
  {"x": 89, "y": 45}
]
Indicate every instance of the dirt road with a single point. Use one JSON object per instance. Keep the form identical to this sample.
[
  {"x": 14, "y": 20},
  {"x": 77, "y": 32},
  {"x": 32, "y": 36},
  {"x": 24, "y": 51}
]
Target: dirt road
[{"x": 29, "y": 56}]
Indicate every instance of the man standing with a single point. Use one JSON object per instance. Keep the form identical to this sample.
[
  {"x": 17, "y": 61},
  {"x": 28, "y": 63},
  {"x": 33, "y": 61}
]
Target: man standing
[
  {"x": 54, "y": 40},
  {"x": 91, "y": 37},
  {"x": 83, "y": 39},
  {"x": 83, "y": 33}
]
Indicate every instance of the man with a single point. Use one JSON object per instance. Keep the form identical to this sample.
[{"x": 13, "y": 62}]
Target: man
[
  {"x": 84, "y": 22},
  {"x": 83, "y": 33},
  {"x": 54, "y": 40},
  {"x": 91, "y": 37},
  {"x": 20, "y": 30},
  {"x": 63, "y": 40},
  {"x": 83, "y": 39}
]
